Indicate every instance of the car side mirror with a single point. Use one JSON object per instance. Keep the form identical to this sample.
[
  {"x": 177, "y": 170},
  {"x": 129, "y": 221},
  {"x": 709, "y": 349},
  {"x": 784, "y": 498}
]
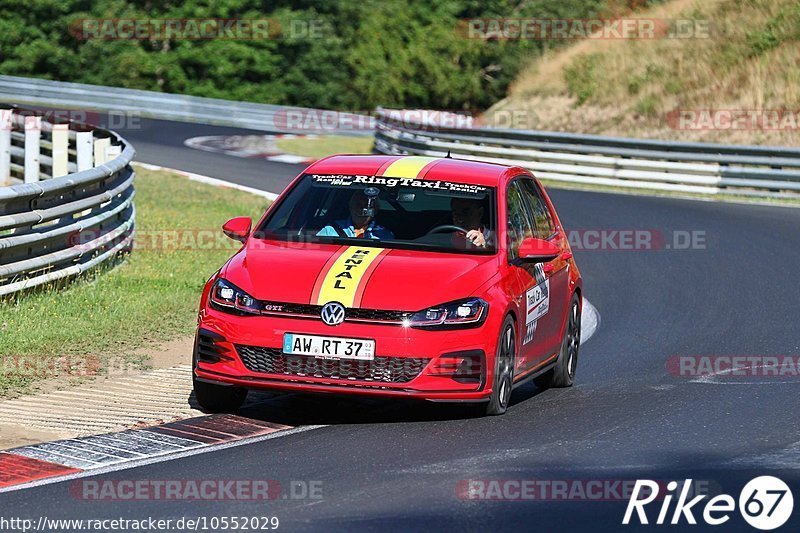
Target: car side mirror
[
  {"x": 237, "y": 228},
  {"x": 538, "y": 250}
]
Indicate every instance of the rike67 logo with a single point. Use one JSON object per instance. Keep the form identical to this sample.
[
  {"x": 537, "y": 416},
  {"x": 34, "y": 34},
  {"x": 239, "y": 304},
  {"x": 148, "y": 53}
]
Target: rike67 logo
[{"x": 765, "y": 503}]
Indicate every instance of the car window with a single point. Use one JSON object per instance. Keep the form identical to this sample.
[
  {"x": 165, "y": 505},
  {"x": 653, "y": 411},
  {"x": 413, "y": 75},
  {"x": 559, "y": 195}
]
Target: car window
[
  {"x": 519, "y": 224},
  {"x": 543, "y": 226},
  {"x": 402, "y": 213}
]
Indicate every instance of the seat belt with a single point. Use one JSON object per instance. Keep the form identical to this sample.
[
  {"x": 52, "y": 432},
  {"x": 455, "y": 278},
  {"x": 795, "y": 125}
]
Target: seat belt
[{"x": 339, "y": 231}]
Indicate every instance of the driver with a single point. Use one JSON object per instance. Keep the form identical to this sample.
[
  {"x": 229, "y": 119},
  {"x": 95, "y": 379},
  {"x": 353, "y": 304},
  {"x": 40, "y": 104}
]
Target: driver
[
  {"x": 360, "y": 224},
  {"x": 468, "y": 214}
]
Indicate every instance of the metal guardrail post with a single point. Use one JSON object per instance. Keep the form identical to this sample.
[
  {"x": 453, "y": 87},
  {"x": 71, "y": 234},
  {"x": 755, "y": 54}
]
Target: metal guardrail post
[
  {"x": 84, "y": 147},
  {"x": 100, "y": 151},
  {"x": 5, "y": 146},
  {"x": 113, "y": 151},
  {"x": 60, "y": 155},
  {"x": 33, "y": 133}
]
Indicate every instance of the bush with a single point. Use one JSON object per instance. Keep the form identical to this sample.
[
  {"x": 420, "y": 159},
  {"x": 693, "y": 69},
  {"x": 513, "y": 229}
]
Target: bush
[{"x": 581, "y": 77}]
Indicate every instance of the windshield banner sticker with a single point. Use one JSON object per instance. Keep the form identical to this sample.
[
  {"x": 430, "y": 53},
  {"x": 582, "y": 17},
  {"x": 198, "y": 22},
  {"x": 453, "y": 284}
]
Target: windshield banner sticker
[{"x": 342, "y": 180}]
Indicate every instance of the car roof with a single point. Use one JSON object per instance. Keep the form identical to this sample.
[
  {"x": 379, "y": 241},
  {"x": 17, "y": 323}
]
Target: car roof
[{"x": 398, "y": 166}]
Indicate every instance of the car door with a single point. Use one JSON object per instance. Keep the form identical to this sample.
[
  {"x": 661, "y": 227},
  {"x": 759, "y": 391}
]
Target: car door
[
  {"x": 519, "y": 227},
  {"x": 546, "y": 284}
]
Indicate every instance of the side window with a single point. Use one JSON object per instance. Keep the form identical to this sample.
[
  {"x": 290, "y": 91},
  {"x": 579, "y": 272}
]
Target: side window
[
  {"x": 543, "y": 224},
  {"x": 518, "y": 223}
]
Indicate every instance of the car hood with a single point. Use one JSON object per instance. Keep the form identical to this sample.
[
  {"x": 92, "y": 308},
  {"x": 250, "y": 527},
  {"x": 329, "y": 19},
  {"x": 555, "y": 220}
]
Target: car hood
[{"x": 402, "y": 280}]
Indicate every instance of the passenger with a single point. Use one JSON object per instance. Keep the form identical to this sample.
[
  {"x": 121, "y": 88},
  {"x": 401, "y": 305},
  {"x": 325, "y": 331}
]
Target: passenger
[
  {"x": 361, "y": 223},
  {"x": 468, "y": 214}
]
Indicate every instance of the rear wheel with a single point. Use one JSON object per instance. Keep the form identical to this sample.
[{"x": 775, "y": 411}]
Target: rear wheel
[
  {"x": 218, "y": 398},
  {"x": 563, "y": 373},
  {"x": 503, "y": 370}
]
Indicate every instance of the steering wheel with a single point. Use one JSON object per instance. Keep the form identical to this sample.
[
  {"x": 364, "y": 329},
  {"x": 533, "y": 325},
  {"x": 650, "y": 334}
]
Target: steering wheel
[{"x": 444, "y": 228}]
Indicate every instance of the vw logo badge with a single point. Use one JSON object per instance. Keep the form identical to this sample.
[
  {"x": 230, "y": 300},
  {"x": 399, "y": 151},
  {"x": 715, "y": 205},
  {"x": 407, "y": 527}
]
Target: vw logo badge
[{"x": 332, "y": 313}]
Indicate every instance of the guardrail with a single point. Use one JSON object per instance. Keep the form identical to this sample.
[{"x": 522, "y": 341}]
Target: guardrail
[
  {"x": 66, "y": 199},
  {"x": 179, "y": 107},
  {"x": 704, "y": 168}
]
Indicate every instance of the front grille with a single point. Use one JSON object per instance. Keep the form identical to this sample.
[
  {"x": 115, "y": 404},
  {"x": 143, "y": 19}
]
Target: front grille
[
  {"x": 376, "y": 315},
  {"x": 379, "y": 370},
  {"x": 313, "y": 311}
]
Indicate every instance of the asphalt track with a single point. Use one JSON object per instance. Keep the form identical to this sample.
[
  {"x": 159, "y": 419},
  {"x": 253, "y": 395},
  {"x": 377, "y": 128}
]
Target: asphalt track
[
  {"x": 396, "y": 466},
  {"x": 160, "y": 142}
]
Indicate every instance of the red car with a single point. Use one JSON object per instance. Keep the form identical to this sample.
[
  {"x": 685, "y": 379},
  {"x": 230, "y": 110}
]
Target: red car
[{"x": 393, "y": 276}]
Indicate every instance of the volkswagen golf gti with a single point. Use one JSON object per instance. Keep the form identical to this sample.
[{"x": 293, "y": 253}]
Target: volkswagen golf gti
[{"x": 394, "y": 276}]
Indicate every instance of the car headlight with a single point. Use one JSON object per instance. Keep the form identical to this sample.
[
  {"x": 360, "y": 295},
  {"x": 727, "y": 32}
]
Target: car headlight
[
  {"x": 228, "y": 297},
  {"x": 470, "y": 312}
]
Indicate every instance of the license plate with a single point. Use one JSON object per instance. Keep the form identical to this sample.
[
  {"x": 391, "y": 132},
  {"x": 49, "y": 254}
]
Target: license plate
[{"x": 328, "y": 347}]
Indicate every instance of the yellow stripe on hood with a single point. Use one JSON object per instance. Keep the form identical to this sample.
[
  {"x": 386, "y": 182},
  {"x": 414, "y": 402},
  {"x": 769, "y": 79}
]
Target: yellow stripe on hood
[
  {"x": 341, "y": 282},
  {"x": 407, "y": 167}
]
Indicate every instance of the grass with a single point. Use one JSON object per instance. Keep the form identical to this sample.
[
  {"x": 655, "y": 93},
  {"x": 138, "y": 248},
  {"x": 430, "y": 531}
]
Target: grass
[
  {"x": 317, "y": 147},
  {"x": 743, "y": 56},
  {"x": 152, "y": 297}
]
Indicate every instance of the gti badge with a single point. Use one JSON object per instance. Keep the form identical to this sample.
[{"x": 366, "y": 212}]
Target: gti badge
[{"x": 332, "y": 313}]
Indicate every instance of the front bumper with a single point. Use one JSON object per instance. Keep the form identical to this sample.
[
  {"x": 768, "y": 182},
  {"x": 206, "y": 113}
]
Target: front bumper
[{"x": 407, "y": 361}]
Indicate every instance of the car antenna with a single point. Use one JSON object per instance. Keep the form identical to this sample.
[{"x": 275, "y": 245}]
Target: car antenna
[{"x": 448, "y": 155}]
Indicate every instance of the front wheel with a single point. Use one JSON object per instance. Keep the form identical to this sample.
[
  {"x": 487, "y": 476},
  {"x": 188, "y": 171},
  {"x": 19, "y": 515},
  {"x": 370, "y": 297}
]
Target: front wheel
[
  {"x": 563, "y": 373},
  {"x": 503, "y": 370}
]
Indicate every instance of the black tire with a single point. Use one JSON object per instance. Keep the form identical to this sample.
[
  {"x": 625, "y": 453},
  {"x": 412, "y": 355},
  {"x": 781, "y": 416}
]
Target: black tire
[
  {"x": 563, "y": 373},
  {"x": 218, "y": 398},
  {"x": 503, "y": 382}
]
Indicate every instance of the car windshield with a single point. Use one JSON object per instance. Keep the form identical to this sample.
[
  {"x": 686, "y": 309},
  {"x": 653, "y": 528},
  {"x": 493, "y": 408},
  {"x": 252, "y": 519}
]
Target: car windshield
[{"x": 390, "y": 212}]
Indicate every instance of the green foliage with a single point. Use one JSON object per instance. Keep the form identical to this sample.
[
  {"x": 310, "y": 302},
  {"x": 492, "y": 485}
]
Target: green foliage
[
  {"x": 674, "y": 86},
  {"x": 651, "y": 73},
  {"x": 361, "y": 54},
  {"x": 783, "y": 27},
  {"x": 582, "y": 77},
  {"x": 647, "y": 106}
]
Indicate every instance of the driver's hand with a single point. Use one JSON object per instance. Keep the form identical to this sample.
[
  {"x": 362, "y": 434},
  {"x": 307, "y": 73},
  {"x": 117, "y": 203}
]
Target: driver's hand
[{"x": 476, "y": 238}]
